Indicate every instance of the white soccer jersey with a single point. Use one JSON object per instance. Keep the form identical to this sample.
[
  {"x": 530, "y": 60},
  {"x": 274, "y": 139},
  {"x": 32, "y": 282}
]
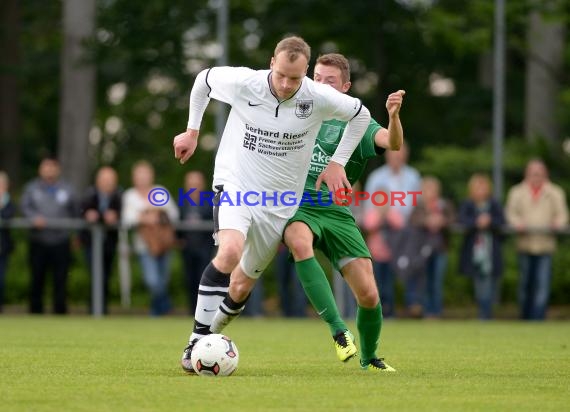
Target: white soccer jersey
[{"x": 267, "y": 145}]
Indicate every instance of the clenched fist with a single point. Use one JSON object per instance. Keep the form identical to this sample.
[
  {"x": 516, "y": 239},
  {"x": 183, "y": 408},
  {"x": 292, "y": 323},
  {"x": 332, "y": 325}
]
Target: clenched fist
[
  {"x": 185, "y": 145},
  {"x": 394, "y": 102}
]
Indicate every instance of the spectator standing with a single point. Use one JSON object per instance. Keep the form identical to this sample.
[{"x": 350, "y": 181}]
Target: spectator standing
[
  {"x": 395, "y": 176},
  {"x": 197, "y": 245},
  {"x": 48, "y": 197},
  {"x": 377, "y": 223},
  {"x": 102, "y": 204},
  {"x": 433, "y": 215},
  {"x": 481, "y": 252},
  {"x": 153, "y": 238},
  {"x": 536, "y": 204},
  {"x": 7, "y": 211}
]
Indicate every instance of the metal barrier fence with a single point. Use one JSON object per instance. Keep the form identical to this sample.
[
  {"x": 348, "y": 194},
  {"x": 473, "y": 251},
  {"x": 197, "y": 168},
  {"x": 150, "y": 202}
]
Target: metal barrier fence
[{"x": 97, "y": 232}]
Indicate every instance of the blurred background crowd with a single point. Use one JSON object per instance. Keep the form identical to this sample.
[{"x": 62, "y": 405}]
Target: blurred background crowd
[
  {"x": 409, "y": 241},
  {"x": 89, "y": 88}
]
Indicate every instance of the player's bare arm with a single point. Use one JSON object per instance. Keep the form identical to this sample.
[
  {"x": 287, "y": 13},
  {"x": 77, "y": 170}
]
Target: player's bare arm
[{"x": 392, "y": 138}]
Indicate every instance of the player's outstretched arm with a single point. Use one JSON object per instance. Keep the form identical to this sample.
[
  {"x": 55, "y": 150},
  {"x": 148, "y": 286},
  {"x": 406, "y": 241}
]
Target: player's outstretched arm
[
  {"x": 185, "y": 143},
  {"x": 392, "y": 138}
]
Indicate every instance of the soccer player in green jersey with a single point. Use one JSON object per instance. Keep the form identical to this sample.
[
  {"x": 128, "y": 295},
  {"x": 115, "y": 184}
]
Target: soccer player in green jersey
[{"x": 332, "y": 228}]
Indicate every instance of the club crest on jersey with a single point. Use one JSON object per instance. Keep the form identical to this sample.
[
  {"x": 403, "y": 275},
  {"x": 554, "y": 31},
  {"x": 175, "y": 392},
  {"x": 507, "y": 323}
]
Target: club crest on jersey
[{"x": 304, "y": 108}]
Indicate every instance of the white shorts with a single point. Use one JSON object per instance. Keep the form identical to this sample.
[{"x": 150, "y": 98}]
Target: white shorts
[{"x": 261, "y": 228}]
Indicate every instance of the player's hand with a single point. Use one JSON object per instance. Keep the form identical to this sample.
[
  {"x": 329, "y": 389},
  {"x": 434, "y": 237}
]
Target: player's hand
[
  {"x": 92, "y": 215},
  {"x": 39, "y": 222},
  {"x": 111, "y": 217},
  {"x": 185, "y": 145},
  {"x": 334, "y": 176},
  {"x": 394, "y": 102},
  {"x": 483, "y": 221}
]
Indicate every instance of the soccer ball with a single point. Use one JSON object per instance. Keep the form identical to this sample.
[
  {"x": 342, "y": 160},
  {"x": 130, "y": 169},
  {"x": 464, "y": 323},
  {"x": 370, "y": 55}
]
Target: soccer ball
[{"x": 214, "y": 355}]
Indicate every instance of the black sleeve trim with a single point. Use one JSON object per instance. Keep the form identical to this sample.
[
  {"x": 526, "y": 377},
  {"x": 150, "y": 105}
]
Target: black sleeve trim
[
  {"x": 359, "y": 109},
  {"x": 208, "y": 84},
  {"x": 379, "y": 150}
]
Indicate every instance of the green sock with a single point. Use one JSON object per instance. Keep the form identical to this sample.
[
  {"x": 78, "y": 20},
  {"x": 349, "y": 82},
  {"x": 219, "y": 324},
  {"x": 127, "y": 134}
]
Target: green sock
[
  {"x": 319, "y": 292},
  {"x": 369, "y": 325}
]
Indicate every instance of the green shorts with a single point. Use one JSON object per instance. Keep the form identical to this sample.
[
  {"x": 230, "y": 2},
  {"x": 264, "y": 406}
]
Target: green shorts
[{"x": 336, "y": 233}]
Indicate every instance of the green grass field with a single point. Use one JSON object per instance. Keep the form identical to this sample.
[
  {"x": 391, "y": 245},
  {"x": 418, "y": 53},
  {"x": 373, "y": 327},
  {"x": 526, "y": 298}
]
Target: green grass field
[{"x": 131, "y": 364}]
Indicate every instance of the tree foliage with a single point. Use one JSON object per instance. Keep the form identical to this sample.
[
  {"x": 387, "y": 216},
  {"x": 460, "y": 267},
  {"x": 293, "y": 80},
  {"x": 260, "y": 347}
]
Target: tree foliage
[{"x": 147, "y": 55}]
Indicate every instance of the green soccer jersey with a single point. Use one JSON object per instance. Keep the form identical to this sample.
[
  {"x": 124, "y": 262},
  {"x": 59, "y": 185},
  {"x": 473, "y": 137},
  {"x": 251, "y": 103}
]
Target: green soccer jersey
[{"x": 325, "y": 146}]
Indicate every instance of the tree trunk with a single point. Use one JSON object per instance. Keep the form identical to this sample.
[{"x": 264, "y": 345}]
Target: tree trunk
[
  {"x": 78, "y": 91},
  {"x": 10, "y": 146},
  {"x": 543, "y": 71}
]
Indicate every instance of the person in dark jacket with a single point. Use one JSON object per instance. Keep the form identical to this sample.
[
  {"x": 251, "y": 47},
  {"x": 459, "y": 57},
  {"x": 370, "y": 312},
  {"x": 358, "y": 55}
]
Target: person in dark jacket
[
  {"x": 7, "y": 211},
  {"x": 197, "y": 245},
  {"x": 102, "y": 204},
  {"x": 481, "y": 253},
  {"x": 48, "y": 197}
]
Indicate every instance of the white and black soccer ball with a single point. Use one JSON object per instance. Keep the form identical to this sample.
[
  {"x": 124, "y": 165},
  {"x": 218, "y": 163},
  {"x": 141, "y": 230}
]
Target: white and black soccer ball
[{"x": 214, "y": 355}]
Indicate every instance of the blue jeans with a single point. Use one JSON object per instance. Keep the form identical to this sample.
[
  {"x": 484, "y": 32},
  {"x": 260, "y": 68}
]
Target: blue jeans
[
  {"x": 435, "y": 273},
  {"x": 534, "y": 285},
  {"x": 414, "y": 290},
  {"x": 156, "y": 276},
  {"x": 485, "y": 287},
  {"x": 386, "y": 282}
]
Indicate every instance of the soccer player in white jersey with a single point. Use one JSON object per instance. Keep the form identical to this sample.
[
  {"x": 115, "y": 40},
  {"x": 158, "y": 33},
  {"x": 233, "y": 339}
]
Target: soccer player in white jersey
[{"x": 266, "y": 147}]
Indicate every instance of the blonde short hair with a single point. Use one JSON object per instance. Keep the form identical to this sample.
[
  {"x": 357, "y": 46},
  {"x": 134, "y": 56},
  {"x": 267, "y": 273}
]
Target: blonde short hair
[{"x": 294, "y": 46}]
